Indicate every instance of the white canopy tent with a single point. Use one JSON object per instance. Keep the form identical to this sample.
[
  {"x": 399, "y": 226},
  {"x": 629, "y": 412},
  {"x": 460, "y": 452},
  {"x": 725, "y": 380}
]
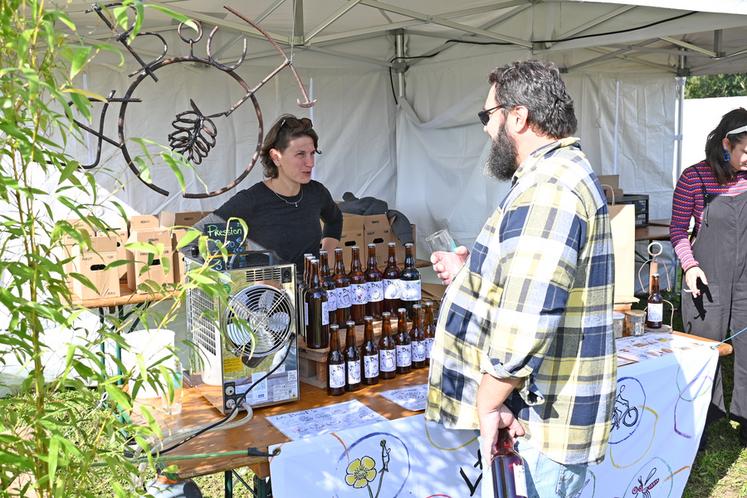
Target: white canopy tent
[{"x": 398, "y": 86}]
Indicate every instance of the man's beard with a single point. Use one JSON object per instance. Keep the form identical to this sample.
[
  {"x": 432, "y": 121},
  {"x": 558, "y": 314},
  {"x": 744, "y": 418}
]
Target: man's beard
[{"x": 503, "y": 158}]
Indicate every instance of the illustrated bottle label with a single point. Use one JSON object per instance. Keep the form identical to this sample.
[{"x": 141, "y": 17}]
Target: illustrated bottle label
[
  {"x": 418, "y": 350},
  {"x": 332, "y": 300},
  {"x": 375, "y": 292},
  {"x": 354, "y": 372},
  {"x": 325, "y": 313},
  {"x": 428, "y": 347},
  {"x": 391, "y": 288},
  {"x": 343, "y": 297},
  {"x": 359, "y": 294},
  {"x": 371, "y": 366},
  {"x": 336, "y": 376},
  {"x": 404, "y": 358},
  {"x": 387, "y": 360},
  {"x": 410, "y": 290},
  {"x": 655, "y": 312}
]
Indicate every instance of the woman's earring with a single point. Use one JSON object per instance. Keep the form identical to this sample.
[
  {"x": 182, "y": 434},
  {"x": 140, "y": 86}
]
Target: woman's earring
[{"x": 727, "y": 156}]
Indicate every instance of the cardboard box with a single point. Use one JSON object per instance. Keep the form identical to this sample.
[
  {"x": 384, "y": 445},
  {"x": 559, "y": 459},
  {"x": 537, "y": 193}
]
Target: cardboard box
[
  {"x": 155, "y": 272},
  {"x": 93, "y": 265},
  {"x": 119, "y": 236},
  {"x": 181, "y": 219},
  {"x": 622, "y": 221},
  {"x": 143, "y": 222},
  {"x": 640, "y": 201},
  {"x": 611, "y": 186},
  {"x": 376, "y": 230},
  {"x": 353, "y": 230}
]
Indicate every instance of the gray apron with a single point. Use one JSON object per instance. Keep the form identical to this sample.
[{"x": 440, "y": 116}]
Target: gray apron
[{"x": 720, "y": 248}]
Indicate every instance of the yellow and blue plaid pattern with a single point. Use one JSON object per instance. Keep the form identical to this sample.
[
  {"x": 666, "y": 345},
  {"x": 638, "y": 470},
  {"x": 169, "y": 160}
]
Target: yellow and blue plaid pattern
[{"x": 534, "y": 301}]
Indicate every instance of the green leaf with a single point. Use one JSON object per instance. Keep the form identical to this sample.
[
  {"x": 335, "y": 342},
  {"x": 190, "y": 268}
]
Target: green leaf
[
  {"x": 116, "y": 394},
  {"x": 188, "y": 238},
  {"x": 79, "y": 60},
  {"x": 172, "y": 163},
  {"x": 173, "y": 14},
  {"x": 54, "y": 448}
]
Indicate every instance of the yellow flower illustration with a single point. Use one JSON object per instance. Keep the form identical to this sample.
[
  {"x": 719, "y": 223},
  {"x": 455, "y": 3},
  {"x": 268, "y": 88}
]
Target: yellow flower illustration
[{"x": 360, "y": 472}]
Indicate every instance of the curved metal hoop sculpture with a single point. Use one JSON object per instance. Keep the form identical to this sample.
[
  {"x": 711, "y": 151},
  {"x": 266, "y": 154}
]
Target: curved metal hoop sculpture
[{"x": 193, "y": 134}]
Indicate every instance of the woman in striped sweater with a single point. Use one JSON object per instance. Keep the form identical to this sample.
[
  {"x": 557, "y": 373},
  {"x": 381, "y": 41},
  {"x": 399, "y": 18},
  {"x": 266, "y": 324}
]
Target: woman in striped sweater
[{"x": 713, "y": 193}]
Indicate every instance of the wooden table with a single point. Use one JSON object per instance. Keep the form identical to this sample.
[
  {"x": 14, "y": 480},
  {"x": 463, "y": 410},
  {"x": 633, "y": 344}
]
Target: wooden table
[
  {"x": 652, "y": 232},
  {"x": 126, "y": 297}
]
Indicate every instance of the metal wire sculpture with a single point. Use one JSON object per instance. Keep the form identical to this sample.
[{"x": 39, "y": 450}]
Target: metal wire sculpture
[{"x": 194, "y": 134}]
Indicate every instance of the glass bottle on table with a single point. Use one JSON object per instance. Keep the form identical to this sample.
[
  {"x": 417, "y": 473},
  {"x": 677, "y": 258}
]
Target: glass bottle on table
[
  {"x": 402, "y": 343},
  {"x": 328, "y": 284},
  {"x": 358, "y": 295},
  {"x": 342, "y": 285},
  {"x": 317, "y": 320},
  {"x": 391, "y": 281},
  {"x": 369, "y": 354},
  {"x": 352, "y": 359},
  {"x": 429, "y": 328},
  {"x": 417, "y": 338},
  {"x": 655, "y": 307},
  {"x": 410, "y": 281},
  {"x": 374, "y": 284},
  {"x": 335, "y": 364},
  {"x": 387, "y": 349}
]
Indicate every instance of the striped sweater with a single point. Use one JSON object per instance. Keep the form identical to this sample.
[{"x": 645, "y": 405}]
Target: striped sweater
[{"x": 687, "y": 203}]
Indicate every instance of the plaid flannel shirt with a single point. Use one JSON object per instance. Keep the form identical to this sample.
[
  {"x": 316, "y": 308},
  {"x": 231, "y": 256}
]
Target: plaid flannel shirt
[{"x": 534, "y": 301}]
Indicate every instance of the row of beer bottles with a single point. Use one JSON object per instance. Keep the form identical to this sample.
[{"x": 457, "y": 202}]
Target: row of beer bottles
[
  {"x": 350, "y": 368},
  {"x": 337, "y": 297}
]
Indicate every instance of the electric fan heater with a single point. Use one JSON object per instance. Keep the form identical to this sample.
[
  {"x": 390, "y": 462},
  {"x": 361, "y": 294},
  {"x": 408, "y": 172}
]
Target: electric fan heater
[{"x": 240, "y": 342}]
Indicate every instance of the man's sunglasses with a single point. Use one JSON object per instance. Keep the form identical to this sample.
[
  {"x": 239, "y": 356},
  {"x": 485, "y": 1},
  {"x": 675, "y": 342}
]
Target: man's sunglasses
[{"x": 484, "y": 115}]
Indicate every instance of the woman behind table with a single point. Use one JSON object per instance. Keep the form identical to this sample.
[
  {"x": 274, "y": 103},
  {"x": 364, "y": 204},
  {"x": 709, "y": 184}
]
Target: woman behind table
[
  {"x": 714, "y": 297},
  {"x": 283, "y": 211}
]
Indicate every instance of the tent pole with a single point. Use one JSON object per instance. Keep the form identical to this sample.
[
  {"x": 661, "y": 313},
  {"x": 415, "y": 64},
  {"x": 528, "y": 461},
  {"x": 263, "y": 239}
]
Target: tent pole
[
  {"x": 681, "y": 77},
  {"x": 401, "y": 66}
]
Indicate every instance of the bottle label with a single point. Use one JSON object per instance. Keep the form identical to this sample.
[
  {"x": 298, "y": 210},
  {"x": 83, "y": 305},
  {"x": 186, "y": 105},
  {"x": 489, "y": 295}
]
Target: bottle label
[
  {"x": 391, "y": 288},
  {"x": 325, "y": 313},
  {"x": 428, "y": 347},
  {"x": 520, "y": 480},
  {"x": 371, "y": 366},
  {"x": 410, "y": 290},
  {"x": 418, "y": 350},
  {"x": 387, "y": 360},
  {"x": 332, "y": 300},
  {"x": 336, "y": 376},
  {"x": 375, "y": 292},
  {"x": 358, "y": 294},
  {"x": 306, "y": 313},
  {"x": 403, "y": 356},
  {"x": 343, "y": 297},
  {"x": 655, "y": 312},
  {"x": 354, "y": 372}
]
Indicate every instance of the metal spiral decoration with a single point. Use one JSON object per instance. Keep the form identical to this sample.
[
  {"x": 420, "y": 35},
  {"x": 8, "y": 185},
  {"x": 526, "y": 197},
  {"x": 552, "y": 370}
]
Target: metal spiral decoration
[{"x": 195, "y": 134}]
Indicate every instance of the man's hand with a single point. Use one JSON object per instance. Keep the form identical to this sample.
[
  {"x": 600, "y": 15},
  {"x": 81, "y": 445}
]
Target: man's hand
[
  {"x": 447, "y": 264},
  {"x": 691, "y": 279},
  {"x": 490, "y": 423}
]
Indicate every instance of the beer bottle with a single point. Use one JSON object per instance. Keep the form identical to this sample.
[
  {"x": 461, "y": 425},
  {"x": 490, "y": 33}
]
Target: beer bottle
[
  {"x": 402, "y": 343},
  {"x": 358, "y": 295},
  {"x": 317, "y": 321},
  {"x": 352, "y": 359},
  {"x": 335, "y": 364},
  {"x": 369, "y": 353},
  {"x": 417, "y": 338},
  {"x": 509, "y": 477},
  {"x": 429, "y": 327},
  {"x": 328, "y": 284},
  {"x": 374, "y": 285},
  {"x": 391, "y": 281},
  {"x": 655, "y": 309},
  {"x": 303, "y": 287},
  {"x": 387, "y": 350},
  {"x": 410, "y": 280},
  {"x": 342, "y": 285}
]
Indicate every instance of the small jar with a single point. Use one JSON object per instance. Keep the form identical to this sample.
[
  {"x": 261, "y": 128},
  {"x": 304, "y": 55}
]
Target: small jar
[
  {"x": 635, "y": 323},
  {"x": 617, "y": 323}
]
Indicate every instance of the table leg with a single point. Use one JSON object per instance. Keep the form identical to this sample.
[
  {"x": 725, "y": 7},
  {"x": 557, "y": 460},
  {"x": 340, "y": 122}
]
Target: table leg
[{"x": 228, "y": 484}]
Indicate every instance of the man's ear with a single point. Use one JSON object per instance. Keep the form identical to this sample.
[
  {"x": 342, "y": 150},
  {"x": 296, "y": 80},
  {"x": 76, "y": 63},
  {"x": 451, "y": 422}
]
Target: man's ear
[{"x": 517, "y": 119}]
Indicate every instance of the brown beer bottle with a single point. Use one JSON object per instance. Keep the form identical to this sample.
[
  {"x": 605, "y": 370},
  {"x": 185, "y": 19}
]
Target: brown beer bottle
[
  {"x": 335, "y": 364},
  {"x": 655, "y": 309},
  {"x": 358, "y": 295},
  {"x": 410, "y": 281},
  {"x": 369, "y": 354},
  {"x": 374, "y": 285},
  {"x": 328, "y": 284},
  {"x": 417, "y": 338},
  {"x": 402, "y": 343},
  {"x": 342, "y": 285},
  {"x": 391, "y": 281},
  {"x": 352, "y": 359},
  {"x": 387, "y": 350},
  {"x": 317, "y": 320},
  {"x": 429, "y": 327}
]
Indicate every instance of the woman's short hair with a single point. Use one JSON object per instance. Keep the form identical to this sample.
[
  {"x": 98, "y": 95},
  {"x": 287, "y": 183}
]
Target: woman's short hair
[
  {"x": 288, "y": 127},
  {"x": 714, "y": 147}
]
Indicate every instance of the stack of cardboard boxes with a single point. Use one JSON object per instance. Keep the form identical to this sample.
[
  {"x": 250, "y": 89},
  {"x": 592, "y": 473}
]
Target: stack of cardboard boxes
[{"x": 361, "y": 230}]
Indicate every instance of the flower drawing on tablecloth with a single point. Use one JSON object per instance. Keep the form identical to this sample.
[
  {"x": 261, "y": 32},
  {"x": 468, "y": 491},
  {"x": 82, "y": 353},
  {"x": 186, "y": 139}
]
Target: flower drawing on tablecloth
[{"x": 361, "y": 472}]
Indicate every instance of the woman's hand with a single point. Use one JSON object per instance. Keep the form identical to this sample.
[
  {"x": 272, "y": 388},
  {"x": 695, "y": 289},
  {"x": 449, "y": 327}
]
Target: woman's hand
[
  {"x": 447, "y": 264},
  {"x": 691, "y": 280}
]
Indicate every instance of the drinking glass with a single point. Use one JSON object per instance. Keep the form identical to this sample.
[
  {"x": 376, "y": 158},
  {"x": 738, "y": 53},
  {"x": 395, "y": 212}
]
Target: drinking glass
[{"x": 441, "y": 241}]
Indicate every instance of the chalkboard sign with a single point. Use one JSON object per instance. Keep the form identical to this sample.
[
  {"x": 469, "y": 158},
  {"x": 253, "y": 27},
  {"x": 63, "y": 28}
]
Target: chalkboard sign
[{"x": 231, "y": 235}]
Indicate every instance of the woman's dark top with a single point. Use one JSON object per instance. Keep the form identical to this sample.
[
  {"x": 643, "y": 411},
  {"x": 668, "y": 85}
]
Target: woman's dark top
[{"x": 275, "y": 223}]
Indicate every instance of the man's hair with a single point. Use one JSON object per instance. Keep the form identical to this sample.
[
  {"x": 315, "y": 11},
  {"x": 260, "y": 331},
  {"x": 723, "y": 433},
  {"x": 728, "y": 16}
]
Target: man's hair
[{"x": 537, "y": 86}]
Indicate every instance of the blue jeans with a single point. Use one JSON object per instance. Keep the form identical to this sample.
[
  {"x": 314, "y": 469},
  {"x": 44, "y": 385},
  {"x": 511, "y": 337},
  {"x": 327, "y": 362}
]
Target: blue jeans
[{"x": 547, "y": 478}]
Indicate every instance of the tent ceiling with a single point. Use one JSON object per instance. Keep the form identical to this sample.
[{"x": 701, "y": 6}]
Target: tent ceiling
[{"x": 703, "y": 37}]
